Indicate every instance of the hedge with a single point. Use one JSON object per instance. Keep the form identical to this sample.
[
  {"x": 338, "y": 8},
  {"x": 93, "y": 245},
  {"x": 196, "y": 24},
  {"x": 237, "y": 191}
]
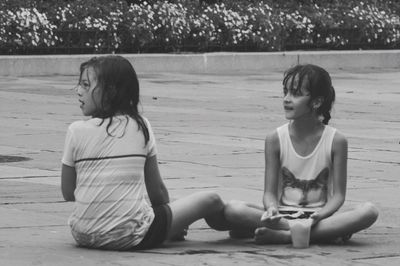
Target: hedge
[{"x": 98, "y": 26}]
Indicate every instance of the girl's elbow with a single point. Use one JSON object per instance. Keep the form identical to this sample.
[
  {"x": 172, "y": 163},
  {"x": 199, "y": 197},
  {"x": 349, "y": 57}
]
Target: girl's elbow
[
  {"x": 339, "y": 199},
  {"x": 160, "y": 197},
  {"x": 163, "y": 199}
]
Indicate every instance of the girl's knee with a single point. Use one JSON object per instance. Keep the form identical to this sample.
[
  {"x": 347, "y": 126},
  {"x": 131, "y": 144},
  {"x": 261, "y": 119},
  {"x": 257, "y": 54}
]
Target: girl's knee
[
  {"x": 233, "y": 209},
  {"x": 213, "y": 200},
  {"x": 369, "y": 212}
]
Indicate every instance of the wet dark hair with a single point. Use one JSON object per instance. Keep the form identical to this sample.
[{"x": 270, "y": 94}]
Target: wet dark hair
[
  {"x": 119, "y": 84},
  {"x": 319, "y": 86}
]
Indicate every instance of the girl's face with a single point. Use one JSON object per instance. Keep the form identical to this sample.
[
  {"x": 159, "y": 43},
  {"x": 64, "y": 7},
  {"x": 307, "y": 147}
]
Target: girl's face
[
  {"x": 296, "y": 102},
  {"x": 89, "y": 95}
]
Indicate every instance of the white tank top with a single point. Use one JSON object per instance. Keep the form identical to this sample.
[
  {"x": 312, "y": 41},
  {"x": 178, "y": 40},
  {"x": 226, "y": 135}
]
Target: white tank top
[{"x": 305, "y": 182}]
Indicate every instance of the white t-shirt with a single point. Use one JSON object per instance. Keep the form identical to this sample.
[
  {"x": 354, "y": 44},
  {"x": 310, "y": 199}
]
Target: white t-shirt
[
  {"x": 305, "y": 181},
  {"x": 110, "y": 194}
]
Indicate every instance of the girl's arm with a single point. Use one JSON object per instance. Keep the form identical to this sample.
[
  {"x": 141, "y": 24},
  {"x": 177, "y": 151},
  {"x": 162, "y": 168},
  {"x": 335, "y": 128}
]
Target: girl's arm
[
  {"x": 156, "y": 189},
  {"x": 272, "y": 164},
  {"x": 339, "y": 157},
  {"x": 68, "y": 182}
]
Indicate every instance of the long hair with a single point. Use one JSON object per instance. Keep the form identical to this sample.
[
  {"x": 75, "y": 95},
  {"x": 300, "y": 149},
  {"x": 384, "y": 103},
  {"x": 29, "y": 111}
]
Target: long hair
[
  {"x": 319, "y": 86},
  {"x": 119, "y": 85}
]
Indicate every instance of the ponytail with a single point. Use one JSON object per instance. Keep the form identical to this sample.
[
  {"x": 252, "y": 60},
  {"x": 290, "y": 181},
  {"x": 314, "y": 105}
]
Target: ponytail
[
  {"x": 327, "y": 117},
  {"x": 326, "y": 107}
]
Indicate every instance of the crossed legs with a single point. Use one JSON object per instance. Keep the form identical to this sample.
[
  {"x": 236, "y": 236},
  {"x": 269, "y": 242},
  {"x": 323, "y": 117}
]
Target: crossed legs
[{"x": 246, "y": 217}]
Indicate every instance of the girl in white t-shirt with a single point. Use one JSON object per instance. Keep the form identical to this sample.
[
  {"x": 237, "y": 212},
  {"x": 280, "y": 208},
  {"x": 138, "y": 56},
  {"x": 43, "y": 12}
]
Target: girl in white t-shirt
[
  {"x": 109, "y": 167},
  {"x": 305, "y": 170}
]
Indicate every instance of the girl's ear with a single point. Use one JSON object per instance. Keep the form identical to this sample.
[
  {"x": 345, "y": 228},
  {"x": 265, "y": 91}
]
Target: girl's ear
[{"x": 317, "y": 102}]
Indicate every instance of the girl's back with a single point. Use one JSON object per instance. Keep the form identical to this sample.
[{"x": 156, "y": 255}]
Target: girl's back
[
  {"x": 110, "y": 167},
  {"x": 110, "y": 185}
]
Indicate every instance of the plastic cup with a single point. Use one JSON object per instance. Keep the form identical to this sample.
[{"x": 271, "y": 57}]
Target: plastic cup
[{"x": 300, "y": 230}]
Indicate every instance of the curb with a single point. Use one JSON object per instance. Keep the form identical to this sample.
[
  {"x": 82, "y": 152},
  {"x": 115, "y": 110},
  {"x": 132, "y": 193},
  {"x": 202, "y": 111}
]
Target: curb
[{"x": 207, "y": 63}]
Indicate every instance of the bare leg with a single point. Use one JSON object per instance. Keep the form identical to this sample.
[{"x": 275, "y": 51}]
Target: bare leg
[
  {"x": 328, "y": 229},
  {"x": 187, "y": 210},
  {"x": 346, "y": 223},
  {"x": 264, "y": 235},
  {"x": 243, "y": 217}
]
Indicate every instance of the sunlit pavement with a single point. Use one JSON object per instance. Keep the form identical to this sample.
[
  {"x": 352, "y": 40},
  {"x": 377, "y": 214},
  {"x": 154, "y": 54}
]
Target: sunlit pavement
[{"x": 210, "y": 132}]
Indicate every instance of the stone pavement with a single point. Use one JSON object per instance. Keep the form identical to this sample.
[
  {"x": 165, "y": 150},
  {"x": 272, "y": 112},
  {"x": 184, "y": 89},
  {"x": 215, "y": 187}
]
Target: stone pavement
[{"x": 210, "y": 131}]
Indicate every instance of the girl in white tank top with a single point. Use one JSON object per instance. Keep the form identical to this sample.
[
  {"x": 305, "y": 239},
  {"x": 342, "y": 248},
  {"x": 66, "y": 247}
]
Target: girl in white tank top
[
  {"x": 305, "y": 181},
  {"x": 305, "y": 170}
]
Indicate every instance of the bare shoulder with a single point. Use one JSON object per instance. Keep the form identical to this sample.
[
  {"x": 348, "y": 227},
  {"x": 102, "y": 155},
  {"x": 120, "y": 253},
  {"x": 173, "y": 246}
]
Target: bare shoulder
[
  {"x": 339, "y": 142},
  {"x": 272, "y": 136},
  {"x": 272, "y": 141}
]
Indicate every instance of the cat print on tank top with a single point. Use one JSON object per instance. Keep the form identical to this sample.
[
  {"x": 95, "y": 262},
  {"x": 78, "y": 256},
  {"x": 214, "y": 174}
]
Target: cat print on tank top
[{"x": 304, "y": 193}]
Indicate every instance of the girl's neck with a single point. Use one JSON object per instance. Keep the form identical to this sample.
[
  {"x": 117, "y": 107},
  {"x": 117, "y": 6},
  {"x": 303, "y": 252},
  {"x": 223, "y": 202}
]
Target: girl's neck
[
  {"x": 98, "y": 115},
  {"x": 306, "y": 126},
  {"x": 305, "y": 135}
]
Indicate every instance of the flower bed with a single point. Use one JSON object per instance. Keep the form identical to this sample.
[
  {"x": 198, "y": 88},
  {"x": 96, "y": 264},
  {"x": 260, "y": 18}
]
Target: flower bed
[{"x": 101, "y": 26}]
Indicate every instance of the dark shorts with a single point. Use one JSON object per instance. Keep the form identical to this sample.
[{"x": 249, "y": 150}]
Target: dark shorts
[
  {"x": 303, "y": 215},
  {"x": 159, "y": 228}
]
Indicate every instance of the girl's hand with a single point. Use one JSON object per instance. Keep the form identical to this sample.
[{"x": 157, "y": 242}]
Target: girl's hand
[
  {"x": 316, "y": 217},
  {"x": 270, "y": 215}
]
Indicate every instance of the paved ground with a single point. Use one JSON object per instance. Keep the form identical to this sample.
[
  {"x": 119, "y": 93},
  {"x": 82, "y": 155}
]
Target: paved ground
[{"x": 210, "y": 132}]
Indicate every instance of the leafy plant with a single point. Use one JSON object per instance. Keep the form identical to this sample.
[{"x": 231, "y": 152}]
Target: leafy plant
[{"x": 98, "y": 26}]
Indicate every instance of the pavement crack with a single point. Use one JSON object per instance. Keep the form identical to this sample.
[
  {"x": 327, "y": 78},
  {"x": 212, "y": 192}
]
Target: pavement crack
[
  {"x": 32, "y": 226},
  {"x": 375, "y": 161},
  {"x": 27, "y": 177},
  {"x": 212, "y": 251},
  {"x": 378, "y": 257},
  {"x": 202, "y": 187},
  {"x": 32, "y": 202},
  {"x": 205, "y": 164}
]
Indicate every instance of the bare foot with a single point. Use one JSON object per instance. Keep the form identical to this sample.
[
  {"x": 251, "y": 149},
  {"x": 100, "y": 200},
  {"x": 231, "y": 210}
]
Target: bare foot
[
  {"x": 264, "y": 235},
  {"x": 276, "y": 224}
]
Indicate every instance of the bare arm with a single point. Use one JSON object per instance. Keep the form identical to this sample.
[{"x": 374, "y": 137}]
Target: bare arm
[
  {"x": 68, "y": 182},
  {"x": 339, "y": 157},
  {"x": 272, "y": 165},
  {"x": 155, "y": 186}
]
